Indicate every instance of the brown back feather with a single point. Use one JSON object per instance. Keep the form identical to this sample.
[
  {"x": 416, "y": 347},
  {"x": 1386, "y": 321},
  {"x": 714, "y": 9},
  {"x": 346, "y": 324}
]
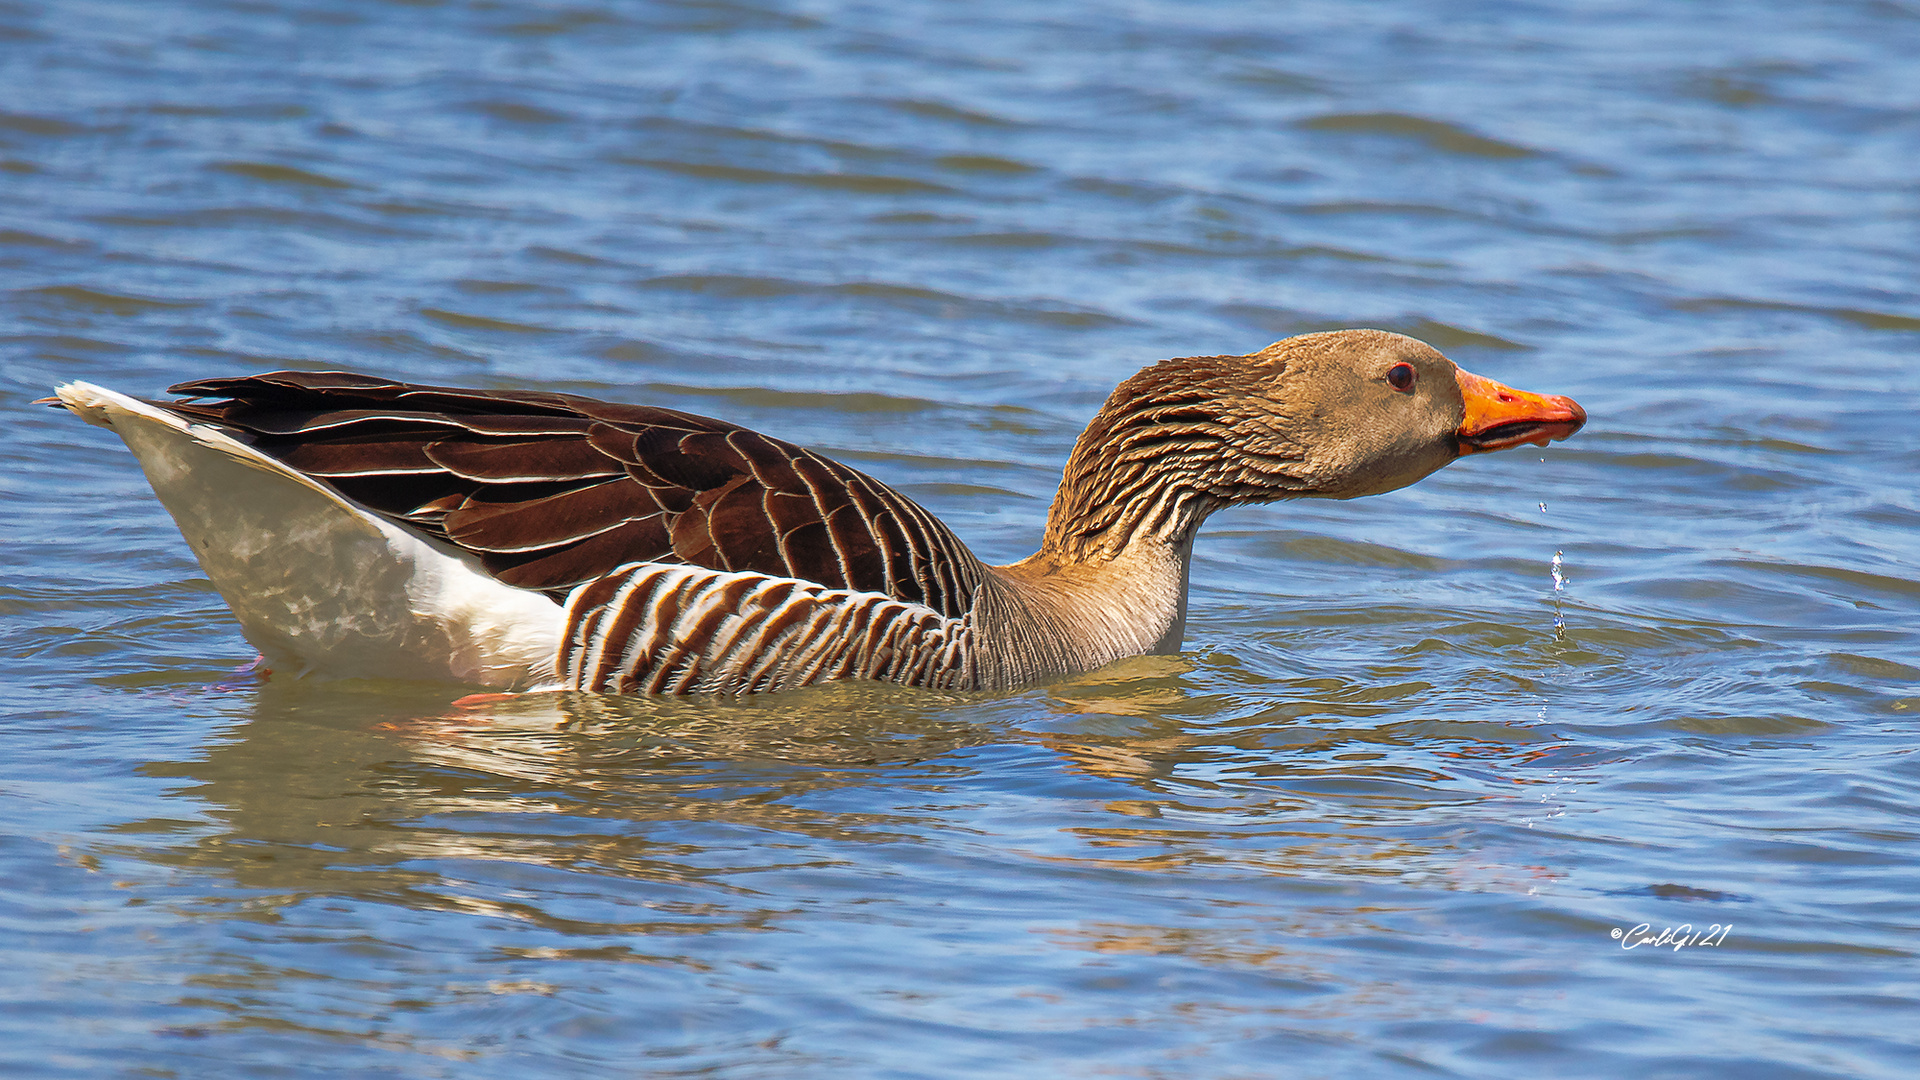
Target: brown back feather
[{"x": 551, "y": 490}]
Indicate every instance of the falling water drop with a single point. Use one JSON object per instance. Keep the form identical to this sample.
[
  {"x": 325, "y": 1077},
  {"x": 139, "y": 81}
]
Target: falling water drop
[{"x": 1559, "y": 592}]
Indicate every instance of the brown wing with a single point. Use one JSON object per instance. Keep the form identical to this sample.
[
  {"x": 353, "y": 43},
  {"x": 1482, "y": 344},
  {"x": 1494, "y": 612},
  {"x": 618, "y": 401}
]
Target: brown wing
[{"x": 551, "y": 490}]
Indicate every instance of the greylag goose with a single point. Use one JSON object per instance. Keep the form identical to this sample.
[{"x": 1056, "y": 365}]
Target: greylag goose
[{"x": 363, "y": 527}]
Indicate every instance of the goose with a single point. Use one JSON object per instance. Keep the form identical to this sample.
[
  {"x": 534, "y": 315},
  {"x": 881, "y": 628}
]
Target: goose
[{"x": 517, "y": 540}]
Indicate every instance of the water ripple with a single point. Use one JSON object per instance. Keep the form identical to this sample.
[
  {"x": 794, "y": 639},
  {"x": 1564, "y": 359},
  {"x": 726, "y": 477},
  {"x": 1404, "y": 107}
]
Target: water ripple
[{"x": 1379, "y": 819}]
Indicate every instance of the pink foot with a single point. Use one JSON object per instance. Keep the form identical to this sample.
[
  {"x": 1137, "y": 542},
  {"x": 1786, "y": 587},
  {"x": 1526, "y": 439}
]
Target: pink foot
[{"x": 475, "y": 700}]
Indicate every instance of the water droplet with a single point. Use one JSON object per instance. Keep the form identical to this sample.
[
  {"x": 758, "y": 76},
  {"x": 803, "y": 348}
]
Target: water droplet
[{"x": 1559, "y": 591}]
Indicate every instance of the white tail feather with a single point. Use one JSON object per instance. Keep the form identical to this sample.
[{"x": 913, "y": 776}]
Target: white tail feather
[{"x": 319, "y": 584}]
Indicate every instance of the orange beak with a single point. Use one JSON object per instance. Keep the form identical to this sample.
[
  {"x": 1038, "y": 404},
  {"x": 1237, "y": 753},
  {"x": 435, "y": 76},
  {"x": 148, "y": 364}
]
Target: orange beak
[{"x": 1499, "y": 416}]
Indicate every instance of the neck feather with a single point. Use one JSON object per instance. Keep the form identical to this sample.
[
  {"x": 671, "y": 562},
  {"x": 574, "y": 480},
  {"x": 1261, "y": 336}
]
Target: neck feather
[
  {"x": 1042, "y": 617},
  {"x": 1171, "y": 445}
]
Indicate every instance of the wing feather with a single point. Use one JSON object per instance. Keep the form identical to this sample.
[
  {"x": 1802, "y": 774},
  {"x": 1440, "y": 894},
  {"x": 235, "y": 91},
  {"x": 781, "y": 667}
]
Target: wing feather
[
  {"x": 518, "y": 461},
  {"x": 553, "y": 490},
  {"x": 548, "y": 521}
]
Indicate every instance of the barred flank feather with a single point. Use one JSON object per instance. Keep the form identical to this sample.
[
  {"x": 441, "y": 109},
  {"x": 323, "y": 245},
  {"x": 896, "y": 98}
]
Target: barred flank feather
[{"x": 652, "y": 628}]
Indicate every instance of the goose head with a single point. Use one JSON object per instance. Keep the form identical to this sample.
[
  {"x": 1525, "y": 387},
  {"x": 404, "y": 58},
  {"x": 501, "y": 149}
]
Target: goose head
[{"x": 1331, "y": 415}]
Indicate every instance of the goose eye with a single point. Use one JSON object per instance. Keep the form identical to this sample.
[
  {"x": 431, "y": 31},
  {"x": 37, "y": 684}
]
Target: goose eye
[{"x": 1400, "y": 377}]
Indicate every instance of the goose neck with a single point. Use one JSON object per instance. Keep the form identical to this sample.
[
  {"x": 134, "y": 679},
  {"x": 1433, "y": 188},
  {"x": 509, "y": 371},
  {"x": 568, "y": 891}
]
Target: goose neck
[{"x": 1047, "y": 616}]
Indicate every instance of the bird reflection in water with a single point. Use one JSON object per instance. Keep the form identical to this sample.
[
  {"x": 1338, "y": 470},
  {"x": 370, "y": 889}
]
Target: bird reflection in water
[{"x": 396, "y": 796}]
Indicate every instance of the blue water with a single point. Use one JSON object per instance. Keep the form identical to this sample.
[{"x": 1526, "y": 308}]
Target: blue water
[{"x": 1380, "y": 819}]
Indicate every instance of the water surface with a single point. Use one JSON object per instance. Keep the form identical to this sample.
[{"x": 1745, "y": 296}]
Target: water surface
[{"x": 1380, "y": 819}]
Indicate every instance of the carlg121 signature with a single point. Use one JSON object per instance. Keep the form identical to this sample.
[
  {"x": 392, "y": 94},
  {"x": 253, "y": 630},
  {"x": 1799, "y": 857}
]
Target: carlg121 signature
[{"x": 1674, "y": 937}]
